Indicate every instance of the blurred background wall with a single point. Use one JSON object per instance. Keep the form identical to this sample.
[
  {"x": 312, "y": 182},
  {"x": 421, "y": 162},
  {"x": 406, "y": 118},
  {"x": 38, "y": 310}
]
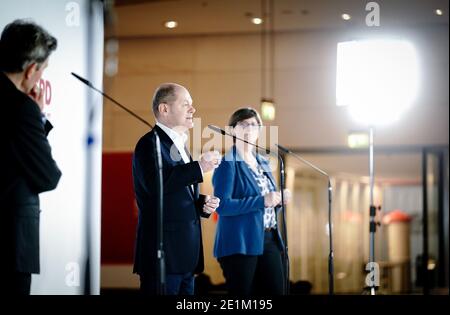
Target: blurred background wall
[{"x": 216, "y": 52}]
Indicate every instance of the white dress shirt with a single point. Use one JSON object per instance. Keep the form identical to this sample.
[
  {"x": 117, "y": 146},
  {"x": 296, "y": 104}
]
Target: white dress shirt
[{"x": 179, "y": 140}]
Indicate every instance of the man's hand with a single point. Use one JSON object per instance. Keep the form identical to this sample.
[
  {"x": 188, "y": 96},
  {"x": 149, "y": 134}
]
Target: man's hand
[
  {"x": 211, "y": 204},
  {"x": 210, "y": 160},
  {"x": 38, "y": 96}
]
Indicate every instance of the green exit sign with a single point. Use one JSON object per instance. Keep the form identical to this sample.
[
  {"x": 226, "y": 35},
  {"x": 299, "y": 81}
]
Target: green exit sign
[{"x": 358, "y": 139}]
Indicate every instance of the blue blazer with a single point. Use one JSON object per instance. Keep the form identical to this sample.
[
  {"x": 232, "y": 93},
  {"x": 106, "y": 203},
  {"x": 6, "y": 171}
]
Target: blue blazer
[{"x": 240, "y": 228}]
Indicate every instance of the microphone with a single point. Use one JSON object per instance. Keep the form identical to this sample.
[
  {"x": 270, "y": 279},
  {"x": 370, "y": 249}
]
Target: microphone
[
  {"x": 82, "y": 79},
  {"x": 284, "y": 149},
  {"x": 218, "y": 130},
  {"x": 330, "y": 229}
]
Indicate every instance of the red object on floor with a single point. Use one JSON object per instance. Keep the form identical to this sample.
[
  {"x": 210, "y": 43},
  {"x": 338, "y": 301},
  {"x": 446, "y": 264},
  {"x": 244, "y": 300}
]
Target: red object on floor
[
  {"x": 119, "y": 210},
  {"x": 396, "y": 216}
]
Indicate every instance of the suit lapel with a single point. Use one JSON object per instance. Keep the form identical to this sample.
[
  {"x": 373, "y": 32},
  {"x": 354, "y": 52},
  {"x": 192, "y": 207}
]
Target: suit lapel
[
  {"x": 165, "y": 139},
  {"x": 267, "y": 170},
  {"x": 245, "y": 169},
  {"x": 249, "y": 173},
  {"x": 195, "y": 193}
]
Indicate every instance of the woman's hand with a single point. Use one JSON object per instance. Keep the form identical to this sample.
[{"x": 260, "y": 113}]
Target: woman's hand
[
  {"x": 287, "y": 196},
  {"x": 272, "y": 199}
]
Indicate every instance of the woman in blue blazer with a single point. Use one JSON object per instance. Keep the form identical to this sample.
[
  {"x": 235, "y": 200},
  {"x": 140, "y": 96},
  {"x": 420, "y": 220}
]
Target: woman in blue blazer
[{"x": 248, "y": 244}]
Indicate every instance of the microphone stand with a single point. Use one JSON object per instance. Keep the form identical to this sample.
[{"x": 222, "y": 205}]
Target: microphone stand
[
  {"x": 283, "y": 208},
  {"x": 161, "y": 266},
  {"x": 330, "y": 229},
  {"x": 283, "y": 214},
  {"x": 160, "y": 254}
]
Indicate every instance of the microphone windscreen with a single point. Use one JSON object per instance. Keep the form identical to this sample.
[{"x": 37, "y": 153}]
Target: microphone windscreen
[
  {"x": 81, "y": 79},
  {"x": 216, "y": 129},
  {"x": 286, "y": 150}
]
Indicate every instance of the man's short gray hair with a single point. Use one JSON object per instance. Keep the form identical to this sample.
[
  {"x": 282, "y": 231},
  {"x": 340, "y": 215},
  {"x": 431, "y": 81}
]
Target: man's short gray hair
[
  {"x": 23, "y": 43},
  {"x": 165, "y": 93}
]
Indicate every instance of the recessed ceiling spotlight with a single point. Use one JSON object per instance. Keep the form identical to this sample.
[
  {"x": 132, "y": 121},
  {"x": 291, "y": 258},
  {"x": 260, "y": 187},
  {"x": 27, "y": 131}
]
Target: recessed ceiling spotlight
[
  {"x": 257, "y": 20},
  {"x": 346, "y": 17},
  {"x": 171, "y": 24},
  {"x": 438, "y": 12}
]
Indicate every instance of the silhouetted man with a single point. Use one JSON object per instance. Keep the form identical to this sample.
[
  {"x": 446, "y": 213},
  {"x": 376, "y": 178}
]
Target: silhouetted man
[{"x": 26, "y": 164}]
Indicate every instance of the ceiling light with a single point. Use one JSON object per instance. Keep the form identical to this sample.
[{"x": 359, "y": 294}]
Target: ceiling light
[
  {"x": 346, "y": 17},
  {"x": 257, "y": 21},
  {"x": 171, "y": 24},
  {"x": 267, "y": 109},
  {"x": 438, "y": 12}
]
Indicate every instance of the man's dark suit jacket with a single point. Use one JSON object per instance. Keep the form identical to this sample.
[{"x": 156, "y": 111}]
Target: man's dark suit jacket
[
  {"x": 26, "y": 169},
  {"x": 182, "y": 209}
]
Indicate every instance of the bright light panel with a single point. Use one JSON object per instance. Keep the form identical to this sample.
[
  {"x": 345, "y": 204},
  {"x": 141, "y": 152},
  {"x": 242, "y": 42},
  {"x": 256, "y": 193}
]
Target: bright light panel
[{"x": 378, "y": 79}]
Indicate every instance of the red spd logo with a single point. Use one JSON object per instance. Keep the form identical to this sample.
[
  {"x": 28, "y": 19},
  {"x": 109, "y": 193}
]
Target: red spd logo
[{"x": 45, "y": 86}]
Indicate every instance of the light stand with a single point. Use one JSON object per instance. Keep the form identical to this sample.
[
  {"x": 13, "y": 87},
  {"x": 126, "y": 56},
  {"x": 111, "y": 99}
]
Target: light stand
[
  {"x": 372, "y": 214},
  {"x": 378, "y": 79}
]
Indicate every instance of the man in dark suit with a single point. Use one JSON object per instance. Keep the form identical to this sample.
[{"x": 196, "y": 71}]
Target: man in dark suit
[
  {"x": 26, "y": 164},
  {"x": 183, "y": 205}
]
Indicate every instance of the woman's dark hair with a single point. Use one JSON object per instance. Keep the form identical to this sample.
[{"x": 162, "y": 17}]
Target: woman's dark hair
[
  {"x": 243, "y": 114},
  {"x": 22, "y": 43}
]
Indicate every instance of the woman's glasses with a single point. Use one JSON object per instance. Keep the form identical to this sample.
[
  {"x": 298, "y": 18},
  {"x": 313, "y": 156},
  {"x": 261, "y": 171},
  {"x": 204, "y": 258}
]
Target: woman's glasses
[{"x": 252, "y": 126}]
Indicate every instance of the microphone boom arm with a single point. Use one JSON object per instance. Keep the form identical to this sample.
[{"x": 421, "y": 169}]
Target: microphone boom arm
[
  {"x": 112, "y": 100},
  {"x": 330, "y": 226}
]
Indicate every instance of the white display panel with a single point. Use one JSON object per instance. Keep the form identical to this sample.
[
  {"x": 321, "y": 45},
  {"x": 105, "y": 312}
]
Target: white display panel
[{"x": 64, "y": 220}]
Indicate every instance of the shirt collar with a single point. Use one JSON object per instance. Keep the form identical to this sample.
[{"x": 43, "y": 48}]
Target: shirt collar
[{"x": 173, "y": 135}]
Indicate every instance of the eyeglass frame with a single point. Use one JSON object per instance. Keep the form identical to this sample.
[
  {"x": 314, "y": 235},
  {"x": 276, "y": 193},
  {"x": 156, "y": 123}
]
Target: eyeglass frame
[{"x": 246, "y": 125}]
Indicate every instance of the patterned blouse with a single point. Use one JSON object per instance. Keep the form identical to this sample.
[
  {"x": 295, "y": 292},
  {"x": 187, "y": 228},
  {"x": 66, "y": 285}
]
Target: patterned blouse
[{"x": 265, "y": 186}]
